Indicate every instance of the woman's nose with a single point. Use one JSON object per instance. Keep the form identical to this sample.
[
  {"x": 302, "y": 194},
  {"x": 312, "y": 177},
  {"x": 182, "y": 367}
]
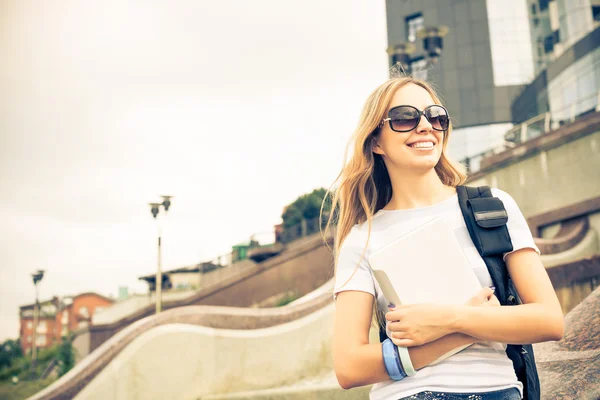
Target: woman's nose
[{"x": 424, "y": 125}]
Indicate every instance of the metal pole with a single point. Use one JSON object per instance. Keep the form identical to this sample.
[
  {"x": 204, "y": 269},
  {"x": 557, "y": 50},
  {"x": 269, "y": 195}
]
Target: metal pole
[
  {"x": 36, "y": 311},
  {"x": 159, "y": 274},
  {"x": 155, "y": 208}
]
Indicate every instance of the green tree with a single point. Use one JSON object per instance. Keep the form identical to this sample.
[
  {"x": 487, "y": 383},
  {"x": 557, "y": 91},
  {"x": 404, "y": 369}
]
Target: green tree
[
  {"x": 9, "y": 352},
  {"x": 307, "y": 206},
  {"x": 65, "y": 356}
]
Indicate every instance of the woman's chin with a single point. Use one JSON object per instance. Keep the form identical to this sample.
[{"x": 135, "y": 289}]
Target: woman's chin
[
  {"x": 424, "y": 165},
  {"x": 420, "y": 164}
]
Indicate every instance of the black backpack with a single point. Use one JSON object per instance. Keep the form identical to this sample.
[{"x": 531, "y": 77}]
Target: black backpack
[{"x": 486, "y": 217}]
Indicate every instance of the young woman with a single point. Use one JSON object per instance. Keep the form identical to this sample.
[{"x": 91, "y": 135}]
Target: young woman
[{"x": 399, "y": 177}]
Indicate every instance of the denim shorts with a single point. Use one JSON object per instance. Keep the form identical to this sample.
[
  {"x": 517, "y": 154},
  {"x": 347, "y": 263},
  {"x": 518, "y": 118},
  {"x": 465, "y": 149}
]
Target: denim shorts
[{"x": 506, "y": 394}]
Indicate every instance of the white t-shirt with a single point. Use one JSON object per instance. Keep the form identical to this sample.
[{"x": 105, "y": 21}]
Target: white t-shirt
[{"x": 479, "y": 368}]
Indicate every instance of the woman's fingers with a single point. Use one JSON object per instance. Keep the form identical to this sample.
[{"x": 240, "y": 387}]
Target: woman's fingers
[
  {"x": 395, "y": 326},
  {"x": 392, "y": 316},
  {"x": 481, "y": 297},
  {"x": 399, "y": 335},
  {"x": 404, "y": 342},
  {"x": 492, "y": 289},
  {"x": 493, "y": 301}
]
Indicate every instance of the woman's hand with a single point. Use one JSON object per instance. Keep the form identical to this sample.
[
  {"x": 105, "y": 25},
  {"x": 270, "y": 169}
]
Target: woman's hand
[
  {"x": 415, "y": 325},
  {"x": 485, "y": 297}
]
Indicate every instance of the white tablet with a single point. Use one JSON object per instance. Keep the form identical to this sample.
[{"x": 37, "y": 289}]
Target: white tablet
[{"x": 426, "y": 265}]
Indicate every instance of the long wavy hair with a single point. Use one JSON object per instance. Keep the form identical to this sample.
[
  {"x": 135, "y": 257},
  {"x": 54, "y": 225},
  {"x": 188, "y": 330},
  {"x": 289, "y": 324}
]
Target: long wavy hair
[{"x": 363, "y": 187}]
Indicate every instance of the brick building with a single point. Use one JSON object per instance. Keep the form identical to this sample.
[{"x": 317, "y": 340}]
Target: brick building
[
  {"x": 58, "y": 317},
  {"x": 45, "y": 328}
]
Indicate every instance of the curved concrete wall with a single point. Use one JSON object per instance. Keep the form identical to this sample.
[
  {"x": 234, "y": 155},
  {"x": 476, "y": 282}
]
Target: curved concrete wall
[
  {"x": 186, "y": 362},
  {"x": 210, "y": 317},
  {"x": 124, "y": 361},
  {"x": 301, "y": 268},
  {"x": 588, "y": 246},
  {"x": 570, "y": 233},
  {"x": 135, "y": 303}
]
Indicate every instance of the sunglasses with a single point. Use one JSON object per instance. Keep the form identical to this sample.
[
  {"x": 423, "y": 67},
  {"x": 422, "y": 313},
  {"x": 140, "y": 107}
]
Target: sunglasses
[{"x": 407, "y": 118}]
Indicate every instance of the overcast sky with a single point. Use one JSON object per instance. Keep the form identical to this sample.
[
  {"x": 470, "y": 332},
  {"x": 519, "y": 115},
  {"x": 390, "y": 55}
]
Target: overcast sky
[{"x": 234, "y": 107}]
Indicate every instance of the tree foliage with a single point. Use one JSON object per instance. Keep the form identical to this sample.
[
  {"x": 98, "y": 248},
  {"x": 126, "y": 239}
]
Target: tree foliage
[
  {"x": 10, "y": 351},
  {"x": 65, "y": 357},
  {"x": 307, "y": 206}
]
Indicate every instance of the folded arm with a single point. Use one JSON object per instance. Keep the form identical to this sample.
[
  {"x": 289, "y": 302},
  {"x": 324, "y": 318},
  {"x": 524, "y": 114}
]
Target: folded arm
[
  {"x": 538, "y": 319},
  {"x": 358, "y": 363}
]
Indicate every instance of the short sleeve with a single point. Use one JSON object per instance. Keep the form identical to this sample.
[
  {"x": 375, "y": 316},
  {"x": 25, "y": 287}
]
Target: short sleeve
[
  {"x": 353, "y": 271},
  {"x": 520, "y": 235}
]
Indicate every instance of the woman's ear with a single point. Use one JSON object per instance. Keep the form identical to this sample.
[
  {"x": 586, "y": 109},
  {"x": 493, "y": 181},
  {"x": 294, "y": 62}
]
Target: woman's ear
[{"x": 375, "y": 147}]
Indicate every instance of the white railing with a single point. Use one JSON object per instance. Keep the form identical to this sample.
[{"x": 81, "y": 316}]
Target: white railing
[
  {"x": 531, "y": 129},
  {"x": 527, "y": 130}
]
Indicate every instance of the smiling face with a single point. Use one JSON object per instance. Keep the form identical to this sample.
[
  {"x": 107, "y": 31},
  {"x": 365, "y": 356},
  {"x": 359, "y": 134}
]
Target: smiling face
[{"x": 417, "y": 150}]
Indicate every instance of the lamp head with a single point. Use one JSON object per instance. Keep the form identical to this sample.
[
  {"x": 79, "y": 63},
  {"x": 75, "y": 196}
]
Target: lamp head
[
  {"x": 37, "y": 276},
  {"x": 166, "y": 202},
  {"x": 433, "y": 40},
  {"x": 401, "y": 54},
  {"x": 154, "y": 208}
]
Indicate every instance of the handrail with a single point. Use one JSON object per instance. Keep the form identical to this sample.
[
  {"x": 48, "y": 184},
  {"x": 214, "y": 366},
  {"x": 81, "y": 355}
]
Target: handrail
[
  {"x": 532, "y": 128},
  {"x": 305, "y": 227}
]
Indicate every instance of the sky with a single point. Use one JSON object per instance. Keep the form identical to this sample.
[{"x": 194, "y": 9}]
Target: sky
[{"x": 233, "y": 107}]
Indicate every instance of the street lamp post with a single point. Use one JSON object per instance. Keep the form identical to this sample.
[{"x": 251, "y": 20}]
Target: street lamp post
[
  {"x": 433, "y": 44},
  {"x": 37, "y": 277},
  {"x": 155, "y": 209}
]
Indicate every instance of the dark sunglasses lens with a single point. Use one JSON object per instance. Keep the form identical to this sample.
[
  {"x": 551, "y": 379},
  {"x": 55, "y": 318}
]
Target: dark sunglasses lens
[
  {"x": 403, "y": 118},
  {"x": 438, "y": 118}
]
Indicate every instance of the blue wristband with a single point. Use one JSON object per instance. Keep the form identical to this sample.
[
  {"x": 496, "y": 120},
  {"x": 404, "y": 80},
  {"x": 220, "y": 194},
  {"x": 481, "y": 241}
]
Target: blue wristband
[{"x": 391, "y": 359}]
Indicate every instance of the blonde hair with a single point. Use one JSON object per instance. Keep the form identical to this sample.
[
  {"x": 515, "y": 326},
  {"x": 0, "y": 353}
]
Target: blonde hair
[{"x": 363, "y": 185}]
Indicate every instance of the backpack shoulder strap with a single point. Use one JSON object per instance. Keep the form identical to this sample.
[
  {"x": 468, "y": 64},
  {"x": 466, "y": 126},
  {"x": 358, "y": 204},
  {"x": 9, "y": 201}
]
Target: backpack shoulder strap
[{"x": 485, "y": 218}]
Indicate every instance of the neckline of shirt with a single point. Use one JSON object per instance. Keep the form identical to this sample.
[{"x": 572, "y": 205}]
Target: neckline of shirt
[{"x": 448, "y": 200}]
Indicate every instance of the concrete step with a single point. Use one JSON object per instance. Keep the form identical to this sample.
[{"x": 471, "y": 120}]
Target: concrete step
[{"x": 317, "y": 388}]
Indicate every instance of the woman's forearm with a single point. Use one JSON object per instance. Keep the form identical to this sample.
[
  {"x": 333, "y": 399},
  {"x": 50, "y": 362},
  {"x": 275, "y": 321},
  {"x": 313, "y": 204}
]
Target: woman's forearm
[
  {"x": 365, "y": 366},
  {"x": 522, "y": 324},
  {"x": 422, "y": 356}
]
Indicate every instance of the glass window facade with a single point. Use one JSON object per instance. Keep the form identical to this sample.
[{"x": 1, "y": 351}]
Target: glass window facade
[
  {"x": 419, "y": 69},
  {"x": 512, "y": 52},
  {"x": 596, "y": 13},
  {"x": 576, "y": 89},
  {"x": 413, "y": 24},
  {"x": 575, "y": 18},
  {"x": 471, "y": 142}
]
